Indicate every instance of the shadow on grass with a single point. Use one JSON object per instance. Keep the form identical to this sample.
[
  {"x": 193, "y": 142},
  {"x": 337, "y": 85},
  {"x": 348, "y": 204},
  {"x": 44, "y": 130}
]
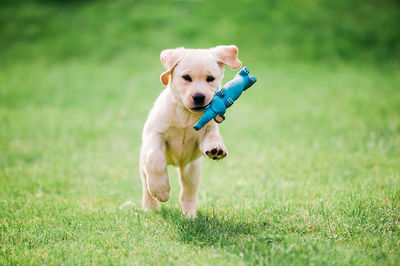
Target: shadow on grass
[{"x": 246, "y": 239}]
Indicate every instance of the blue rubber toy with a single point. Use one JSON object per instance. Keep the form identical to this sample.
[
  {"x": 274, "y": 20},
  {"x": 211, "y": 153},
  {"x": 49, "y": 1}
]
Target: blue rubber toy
[{"x": 224, "y": 98}]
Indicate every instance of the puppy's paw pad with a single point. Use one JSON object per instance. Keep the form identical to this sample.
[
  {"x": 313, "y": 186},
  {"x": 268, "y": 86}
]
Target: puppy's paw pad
[{"x": 217, "y": 153}]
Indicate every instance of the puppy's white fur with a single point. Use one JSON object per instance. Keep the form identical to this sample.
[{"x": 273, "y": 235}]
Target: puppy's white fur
[{"x": 168, "y": 134}]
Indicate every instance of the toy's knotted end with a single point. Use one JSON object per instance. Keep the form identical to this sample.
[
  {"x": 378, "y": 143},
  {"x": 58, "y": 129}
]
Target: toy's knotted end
[
  {"x": 244, "y": 72},
  {"x": 253, "y": 79}
]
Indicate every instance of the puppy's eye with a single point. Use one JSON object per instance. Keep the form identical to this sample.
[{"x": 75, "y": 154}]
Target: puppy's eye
[
  {"x": 210, "y": 79},
  {"x": 187, "y": 78}
]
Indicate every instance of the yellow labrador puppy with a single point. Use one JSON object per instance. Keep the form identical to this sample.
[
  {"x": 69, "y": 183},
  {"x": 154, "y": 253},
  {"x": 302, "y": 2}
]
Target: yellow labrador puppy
[{"x": 192, "y": 77}]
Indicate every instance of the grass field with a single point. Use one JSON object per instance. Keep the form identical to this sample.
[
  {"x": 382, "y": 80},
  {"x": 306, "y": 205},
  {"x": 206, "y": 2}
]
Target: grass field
[{"x": 314, "y": 147}]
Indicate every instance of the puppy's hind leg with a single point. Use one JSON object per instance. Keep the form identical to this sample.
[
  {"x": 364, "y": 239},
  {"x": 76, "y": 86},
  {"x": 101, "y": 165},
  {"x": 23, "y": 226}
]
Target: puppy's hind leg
[
  {"x": 147, "y": 199},
  {"x": 189, "y": 177}
]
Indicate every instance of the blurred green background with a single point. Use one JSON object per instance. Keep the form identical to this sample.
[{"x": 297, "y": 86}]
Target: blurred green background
[
  {"x": 322, "y": 31},
  {"x": 314, "y": 146}
]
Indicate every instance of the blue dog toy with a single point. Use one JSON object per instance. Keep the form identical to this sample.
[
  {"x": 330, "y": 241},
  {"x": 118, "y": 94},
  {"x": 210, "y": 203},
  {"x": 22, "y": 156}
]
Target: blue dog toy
[{"x": 224, "y": 98}]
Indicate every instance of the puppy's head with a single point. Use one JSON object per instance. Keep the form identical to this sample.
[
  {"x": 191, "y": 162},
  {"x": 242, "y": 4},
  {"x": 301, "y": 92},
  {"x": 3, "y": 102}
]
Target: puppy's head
[{"x": 195, "y": 75}]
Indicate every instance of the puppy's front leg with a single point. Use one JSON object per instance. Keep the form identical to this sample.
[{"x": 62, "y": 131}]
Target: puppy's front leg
[
  {"x": 155, "y": 166},
  {"x": 212, "y": 144}
]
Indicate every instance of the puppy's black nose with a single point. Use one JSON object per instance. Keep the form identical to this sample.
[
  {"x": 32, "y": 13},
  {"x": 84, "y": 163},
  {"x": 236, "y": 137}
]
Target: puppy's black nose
[{"x": 199, "y": 98}]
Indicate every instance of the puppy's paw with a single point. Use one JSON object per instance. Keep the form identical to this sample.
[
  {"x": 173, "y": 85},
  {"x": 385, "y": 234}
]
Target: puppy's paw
[
  {"x": 159, "y": 191},
  {"x": 189, "y": 209},
  {"x": 190, "y": 214},
  {"x": 162, "y": 196},
  {"x": 217, "y": 152}
]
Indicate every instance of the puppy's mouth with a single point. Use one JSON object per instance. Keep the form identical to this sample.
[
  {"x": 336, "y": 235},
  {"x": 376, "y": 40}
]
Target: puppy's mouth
[{"x": 199, "y": 108}]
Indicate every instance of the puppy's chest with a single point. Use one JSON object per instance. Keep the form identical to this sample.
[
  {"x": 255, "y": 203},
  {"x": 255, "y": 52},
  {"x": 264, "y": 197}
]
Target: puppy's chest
[{"x": 181, "y": 145}]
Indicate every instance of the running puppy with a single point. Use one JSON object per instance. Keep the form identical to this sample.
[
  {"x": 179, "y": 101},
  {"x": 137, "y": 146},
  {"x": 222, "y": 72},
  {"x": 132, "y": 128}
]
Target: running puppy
[{"x": 192, "y": 77}]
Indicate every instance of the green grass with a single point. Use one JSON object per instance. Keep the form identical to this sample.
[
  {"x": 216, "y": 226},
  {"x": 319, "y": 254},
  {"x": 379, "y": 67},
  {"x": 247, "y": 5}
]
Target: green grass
[{"x": 313, "y": 171}]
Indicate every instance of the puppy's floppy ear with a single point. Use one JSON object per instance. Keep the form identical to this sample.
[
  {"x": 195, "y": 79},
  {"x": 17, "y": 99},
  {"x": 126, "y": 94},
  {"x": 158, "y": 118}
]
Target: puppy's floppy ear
[
  {"x": 227, "y": 55},
  {"x": 169, "y": 59}
]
